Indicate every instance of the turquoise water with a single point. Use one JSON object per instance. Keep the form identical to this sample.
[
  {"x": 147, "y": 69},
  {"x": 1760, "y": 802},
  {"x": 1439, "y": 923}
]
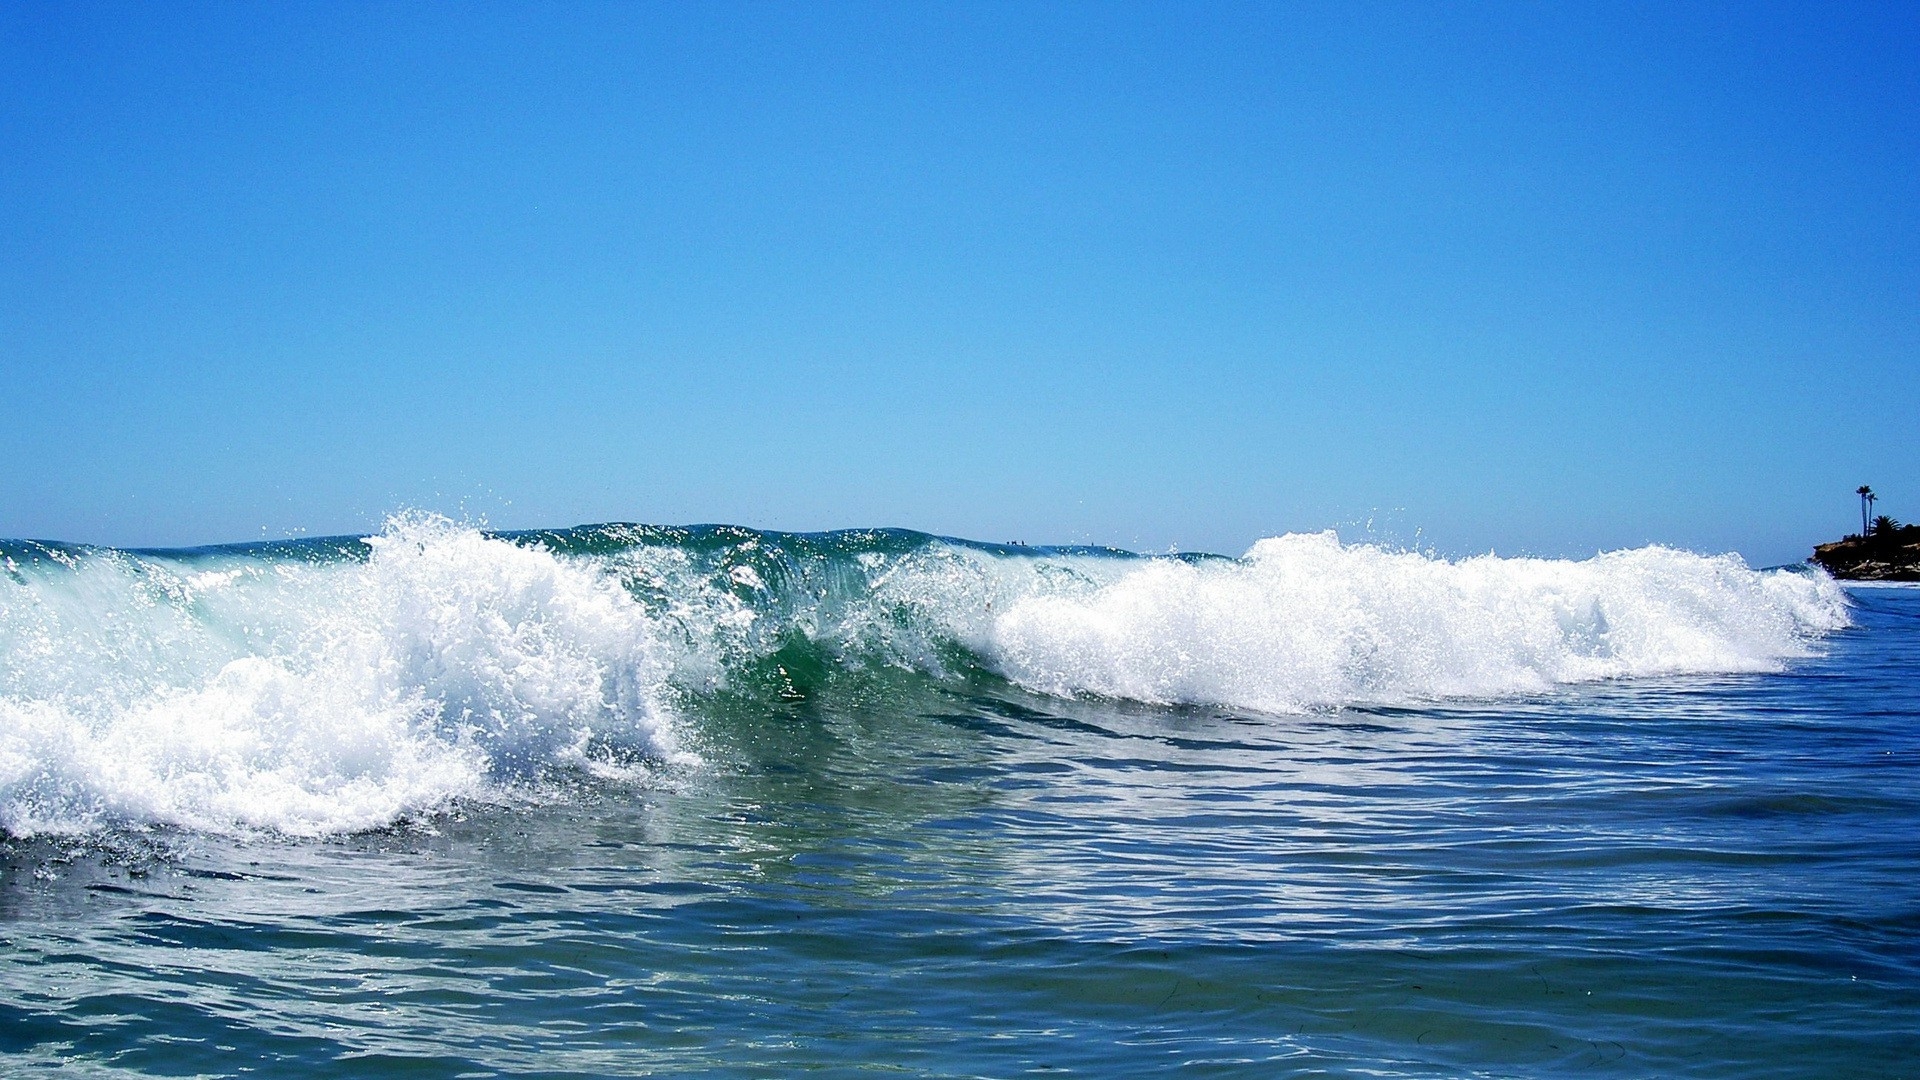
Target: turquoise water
[{"x": 533, "y": 806}]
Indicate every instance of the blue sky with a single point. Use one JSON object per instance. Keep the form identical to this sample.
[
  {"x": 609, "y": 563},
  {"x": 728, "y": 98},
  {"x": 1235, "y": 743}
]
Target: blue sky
[{"x": 1494, "y": 277}]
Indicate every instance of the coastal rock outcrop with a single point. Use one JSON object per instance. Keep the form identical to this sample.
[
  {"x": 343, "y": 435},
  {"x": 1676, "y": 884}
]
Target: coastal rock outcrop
[{"x": 1885, "y": 554}]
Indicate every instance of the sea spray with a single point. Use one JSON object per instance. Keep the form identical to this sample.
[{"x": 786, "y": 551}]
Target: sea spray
[
  {"x": 1304, "y": 621},
  {"x": 232, "y": 692},
  {"x": 329, "y": 686}
]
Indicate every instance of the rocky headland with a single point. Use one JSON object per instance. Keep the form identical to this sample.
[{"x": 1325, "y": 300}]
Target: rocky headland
[{"x": 1888, "y": 553}]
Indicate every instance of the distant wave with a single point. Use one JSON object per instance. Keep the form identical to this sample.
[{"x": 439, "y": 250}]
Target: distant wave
[{"x": 327, "y": 686}]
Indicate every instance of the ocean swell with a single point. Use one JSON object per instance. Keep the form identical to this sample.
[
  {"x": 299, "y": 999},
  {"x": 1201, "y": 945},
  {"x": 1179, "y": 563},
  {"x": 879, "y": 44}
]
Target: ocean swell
[{"x": 331, "y": 686}]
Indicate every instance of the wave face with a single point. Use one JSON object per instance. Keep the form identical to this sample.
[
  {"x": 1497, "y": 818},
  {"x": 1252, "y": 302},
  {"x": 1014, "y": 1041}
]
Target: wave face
[{"x": 328, "y": 686}]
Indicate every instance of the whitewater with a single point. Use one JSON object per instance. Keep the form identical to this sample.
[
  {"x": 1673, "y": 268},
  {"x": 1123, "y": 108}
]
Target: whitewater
[{"x": 325, "y": 687}]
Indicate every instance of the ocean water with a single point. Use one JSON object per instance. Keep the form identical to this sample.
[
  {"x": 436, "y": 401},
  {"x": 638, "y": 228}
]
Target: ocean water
[{"x": 627, "y": 800}]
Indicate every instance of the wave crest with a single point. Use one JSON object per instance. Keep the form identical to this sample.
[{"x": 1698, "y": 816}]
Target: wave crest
[
  {"x": 312, "y": 698},
  {"x": 1304, "y": 621}
]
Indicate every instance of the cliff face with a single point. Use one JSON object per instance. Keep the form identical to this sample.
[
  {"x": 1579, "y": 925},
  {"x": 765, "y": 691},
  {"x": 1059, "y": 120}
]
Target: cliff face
[{"x": 1884, "y": 555}]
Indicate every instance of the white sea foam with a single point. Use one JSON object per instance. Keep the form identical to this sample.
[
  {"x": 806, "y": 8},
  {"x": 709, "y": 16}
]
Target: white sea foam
[
  {"x": 1304, "y": 621},
  {"x": 314, "y": 698}
]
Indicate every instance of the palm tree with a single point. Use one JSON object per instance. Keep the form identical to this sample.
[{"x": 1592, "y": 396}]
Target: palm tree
[{"x": 1867, "y": 499}]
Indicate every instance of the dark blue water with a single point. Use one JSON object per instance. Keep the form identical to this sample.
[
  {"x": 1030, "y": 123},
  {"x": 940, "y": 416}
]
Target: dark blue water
[{"x": 1699, "y": 876}]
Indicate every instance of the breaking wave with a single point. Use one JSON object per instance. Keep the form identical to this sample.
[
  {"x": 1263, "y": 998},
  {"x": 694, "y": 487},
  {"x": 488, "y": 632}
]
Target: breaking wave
[{"x": 328, "y": 686}]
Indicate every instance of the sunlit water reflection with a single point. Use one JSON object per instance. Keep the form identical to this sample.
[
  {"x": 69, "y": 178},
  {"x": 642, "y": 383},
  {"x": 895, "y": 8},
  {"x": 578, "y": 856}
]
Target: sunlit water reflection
[{"x": 1703, "y": 877}]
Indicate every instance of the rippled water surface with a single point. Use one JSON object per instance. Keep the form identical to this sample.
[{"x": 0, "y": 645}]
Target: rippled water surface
[{"x": 1698, "y": 875}]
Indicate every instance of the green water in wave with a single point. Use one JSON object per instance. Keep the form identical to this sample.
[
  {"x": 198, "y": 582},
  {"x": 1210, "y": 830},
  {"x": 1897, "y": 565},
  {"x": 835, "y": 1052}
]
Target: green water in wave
[{"x": 1706, "y": 877}]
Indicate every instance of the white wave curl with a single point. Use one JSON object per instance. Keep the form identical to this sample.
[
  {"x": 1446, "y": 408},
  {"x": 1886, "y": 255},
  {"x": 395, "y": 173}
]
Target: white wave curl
[
  {"x": 311, "y": 699},
  {"x": 1303, "y": 621}
]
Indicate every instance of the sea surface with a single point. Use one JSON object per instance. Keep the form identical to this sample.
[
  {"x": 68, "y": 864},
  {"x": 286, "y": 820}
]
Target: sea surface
[{"x": 628, "y": 800}]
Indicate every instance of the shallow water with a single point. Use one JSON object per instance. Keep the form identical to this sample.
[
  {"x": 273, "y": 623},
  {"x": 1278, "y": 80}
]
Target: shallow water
[{"x": 1706, "y": 874}]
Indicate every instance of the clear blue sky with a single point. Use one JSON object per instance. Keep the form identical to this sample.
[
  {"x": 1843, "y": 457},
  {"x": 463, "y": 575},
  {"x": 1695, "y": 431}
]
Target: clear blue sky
[{"x": 1492, "y": 277}]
